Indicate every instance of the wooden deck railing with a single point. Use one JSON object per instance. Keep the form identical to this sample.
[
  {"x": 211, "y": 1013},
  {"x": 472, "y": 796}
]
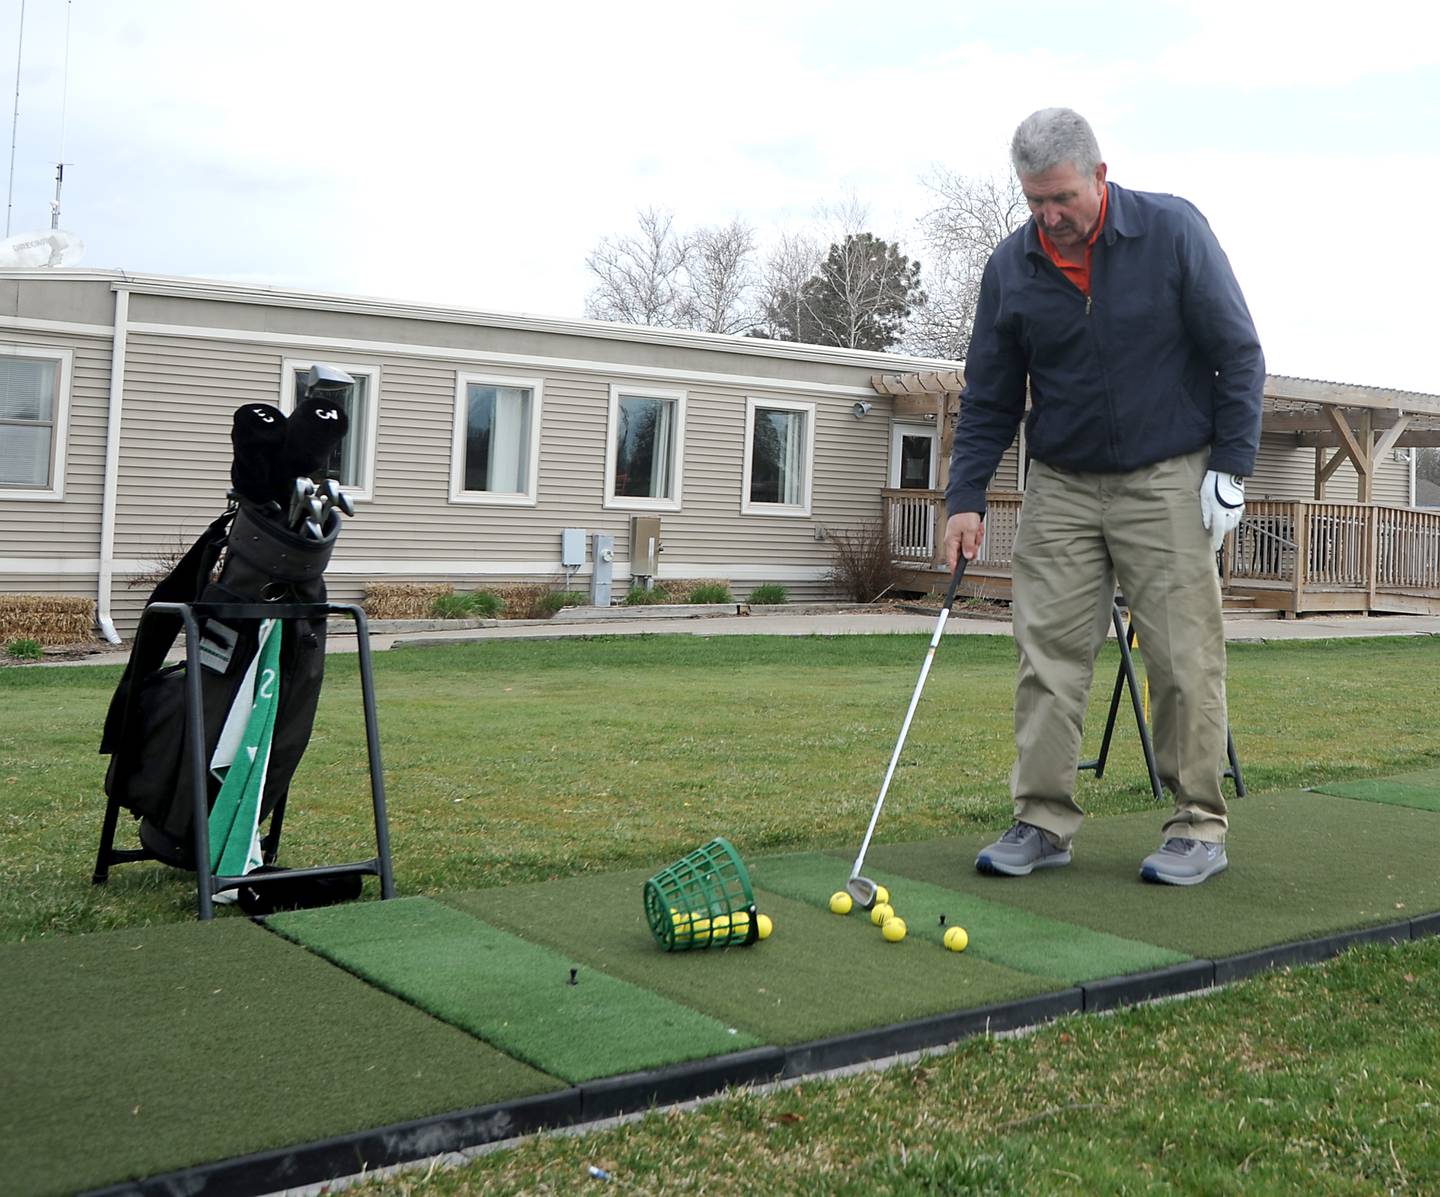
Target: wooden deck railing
[
  {"x": 916, "y": 519},
  {"x": 1312, "y": 552}
]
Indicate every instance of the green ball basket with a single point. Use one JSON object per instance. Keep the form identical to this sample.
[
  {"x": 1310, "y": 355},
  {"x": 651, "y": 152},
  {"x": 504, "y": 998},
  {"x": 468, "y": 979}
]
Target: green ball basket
[{"x": 703, "y": 900}]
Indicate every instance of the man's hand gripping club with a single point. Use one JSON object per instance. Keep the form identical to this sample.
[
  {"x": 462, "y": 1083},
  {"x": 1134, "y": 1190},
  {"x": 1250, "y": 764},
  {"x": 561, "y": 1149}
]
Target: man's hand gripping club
[{"x": 964, "y": 534}]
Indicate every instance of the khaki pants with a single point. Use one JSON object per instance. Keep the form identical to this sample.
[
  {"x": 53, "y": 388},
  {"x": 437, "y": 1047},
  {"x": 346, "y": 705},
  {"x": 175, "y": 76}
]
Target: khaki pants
[{"x": 1078, "y": 534}]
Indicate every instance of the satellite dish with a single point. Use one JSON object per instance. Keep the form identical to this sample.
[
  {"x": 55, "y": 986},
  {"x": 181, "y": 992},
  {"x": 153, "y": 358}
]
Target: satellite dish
[{"x": 52, "y": 247}]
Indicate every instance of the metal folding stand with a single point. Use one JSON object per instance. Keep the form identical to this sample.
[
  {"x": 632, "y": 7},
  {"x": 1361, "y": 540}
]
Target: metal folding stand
[
  {"x": 1125, "y": 679},
  {"x": 208, "y": 883}
]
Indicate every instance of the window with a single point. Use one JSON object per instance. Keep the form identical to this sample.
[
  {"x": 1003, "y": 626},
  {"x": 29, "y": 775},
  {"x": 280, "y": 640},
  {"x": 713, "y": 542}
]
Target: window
[
  {"x": 34, "y": 406},
  {"x": 496, "y": 453},
  {"x": 353, "y": 460},
  {"x": 779, "y": 447},
  {"x": 643, "y": 453}
]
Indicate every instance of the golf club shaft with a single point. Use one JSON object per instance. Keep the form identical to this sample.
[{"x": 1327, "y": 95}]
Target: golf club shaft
[{"x": 910, "y": 714}]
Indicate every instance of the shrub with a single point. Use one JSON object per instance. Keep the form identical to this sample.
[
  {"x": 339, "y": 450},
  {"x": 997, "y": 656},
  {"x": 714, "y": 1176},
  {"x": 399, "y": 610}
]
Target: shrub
[
  {"x": 476, "y": 604},
  {"x": 711, "y": 592},
  {"x": 768, "y": 594},
  {"x": 25, "y": 650},
  {"x": 638, "y": 596},
  {"x": 557, "y": 599},
  {"x": 862, "y": 565}
]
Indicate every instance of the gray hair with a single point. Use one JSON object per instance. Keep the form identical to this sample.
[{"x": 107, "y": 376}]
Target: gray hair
[{"x": 1053, "y": 137}]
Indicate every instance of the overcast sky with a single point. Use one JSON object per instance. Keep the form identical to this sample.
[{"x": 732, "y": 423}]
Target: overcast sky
[{"x": 474, "y": 153}]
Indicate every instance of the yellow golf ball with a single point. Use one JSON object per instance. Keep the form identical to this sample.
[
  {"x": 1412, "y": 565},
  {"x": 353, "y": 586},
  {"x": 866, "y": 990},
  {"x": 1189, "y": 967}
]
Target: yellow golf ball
[
  {"x": 840, "y": 902},
  {"x": 880, "y": 912},
  {"x": 882, "y": 894},
  {"x": 762, "y": 921},
  {"x": 956, "y": 939},
  {"x": 893, "y": 929}
]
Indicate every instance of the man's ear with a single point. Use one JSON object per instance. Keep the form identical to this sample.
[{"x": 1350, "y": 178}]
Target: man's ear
[{"x": 1100, "y": 176}]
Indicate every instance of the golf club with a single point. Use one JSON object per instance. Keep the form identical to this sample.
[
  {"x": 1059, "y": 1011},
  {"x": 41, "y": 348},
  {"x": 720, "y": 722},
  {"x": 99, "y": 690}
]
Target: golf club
[
  {"x": 338, "y": 498},
  {"x": 257, "y": 434},
  {"x": 300, "y": 491},
  {"x": 860, "y": 888}
]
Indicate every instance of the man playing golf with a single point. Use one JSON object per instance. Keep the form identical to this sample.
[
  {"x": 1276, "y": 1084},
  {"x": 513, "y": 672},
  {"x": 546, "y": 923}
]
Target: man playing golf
[{"x": 1118, "y": 309}]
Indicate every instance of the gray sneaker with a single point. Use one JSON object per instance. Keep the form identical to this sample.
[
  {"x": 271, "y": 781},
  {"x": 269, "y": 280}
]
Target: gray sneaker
[
  {"x": 1183, "y": 861},
  {"x": 1019, "y": 850}
]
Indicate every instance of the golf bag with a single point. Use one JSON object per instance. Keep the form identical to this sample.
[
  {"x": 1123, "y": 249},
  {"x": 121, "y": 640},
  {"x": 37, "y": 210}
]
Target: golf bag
[{"x": 260, "y": 560}]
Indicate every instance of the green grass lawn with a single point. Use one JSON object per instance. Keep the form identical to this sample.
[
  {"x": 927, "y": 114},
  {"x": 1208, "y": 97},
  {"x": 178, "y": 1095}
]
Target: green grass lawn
[
  {"x": 522, "y": 761},
  {"x": 525, "y": 761}
]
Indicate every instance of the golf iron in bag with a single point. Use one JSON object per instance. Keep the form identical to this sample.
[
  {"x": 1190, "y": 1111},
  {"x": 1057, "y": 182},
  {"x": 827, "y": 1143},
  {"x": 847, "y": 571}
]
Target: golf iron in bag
[
  {"x": 266, "y": 553},
  {"x": 860, "y": 887}
]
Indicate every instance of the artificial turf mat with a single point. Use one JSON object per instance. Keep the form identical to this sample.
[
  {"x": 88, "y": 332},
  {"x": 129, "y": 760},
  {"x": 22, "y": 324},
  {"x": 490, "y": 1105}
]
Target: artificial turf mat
[
  {"x": 127, "y": 1054},
  {"x": 1018, "y": 939},
  {"x": 1302, "y": 865},
  {"x": 1420, "y": 790},
  {"x": 512, "y": 993},
  {"x": 816, "y": 976}
]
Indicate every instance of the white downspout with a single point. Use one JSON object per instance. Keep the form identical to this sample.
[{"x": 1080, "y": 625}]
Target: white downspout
[
  {"x": 112, "y": 467},
  {"x": 1412, "y": 453}
]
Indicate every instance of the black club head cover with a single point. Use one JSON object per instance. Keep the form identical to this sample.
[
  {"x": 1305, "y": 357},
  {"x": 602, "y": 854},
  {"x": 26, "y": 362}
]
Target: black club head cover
[
  {"x": 257, "y": 436},
  {"x": 311, "y": 434}
]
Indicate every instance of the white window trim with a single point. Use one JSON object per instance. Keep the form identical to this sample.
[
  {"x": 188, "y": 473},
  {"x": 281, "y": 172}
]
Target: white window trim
[
  {"x": 371, "y": 374},
  {"x": 789, "y": 509},
  {"x": 494, "y": 498},
  {"x": 900, "y": 429},
  {"x": 631, "y": 502},
  {"x": 55, "y": 492}
]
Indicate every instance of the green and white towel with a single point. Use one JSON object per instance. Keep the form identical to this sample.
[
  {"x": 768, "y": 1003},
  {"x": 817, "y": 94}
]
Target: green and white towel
[{"x": 242, "y": 758}]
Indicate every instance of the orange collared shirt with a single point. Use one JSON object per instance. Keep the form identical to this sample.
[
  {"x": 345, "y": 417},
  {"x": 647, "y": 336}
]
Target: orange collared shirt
[{"x": 1077, "y": 272}]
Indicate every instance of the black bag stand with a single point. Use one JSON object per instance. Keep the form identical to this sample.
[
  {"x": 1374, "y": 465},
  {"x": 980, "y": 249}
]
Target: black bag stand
[
  {"x": 1125, "y": 678},
  {"x": 209, "y": 884}
]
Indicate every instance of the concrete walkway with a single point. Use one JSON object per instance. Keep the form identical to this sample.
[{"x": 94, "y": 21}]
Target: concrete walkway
[{"x": 818, "y": 623}]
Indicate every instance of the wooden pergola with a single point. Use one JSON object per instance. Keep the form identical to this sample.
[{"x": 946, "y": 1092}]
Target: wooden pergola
[{"x": 1340, "y": 421}]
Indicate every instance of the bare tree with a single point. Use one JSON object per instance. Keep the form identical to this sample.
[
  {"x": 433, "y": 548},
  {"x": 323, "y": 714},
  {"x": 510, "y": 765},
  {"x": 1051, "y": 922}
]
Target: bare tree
[
  {"x": 720, "y": 278},
  {"x": 641, "y": 277},
  {"x": 973, "y": 216},
  {"x": 793, "y": 261}
]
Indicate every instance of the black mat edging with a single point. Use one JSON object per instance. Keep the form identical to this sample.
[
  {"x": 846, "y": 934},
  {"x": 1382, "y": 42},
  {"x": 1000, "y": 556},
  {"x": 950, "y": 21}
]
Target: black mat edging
[
  {"x": 362, "y": 1151},
  {"x": 1424, "y": 925},
  {"x": 839, "y": 1051},
  {"x": 634, "y": 1091},
  {"x": 1307, "y": 951},
  {"x": 1143, "y": 987}
]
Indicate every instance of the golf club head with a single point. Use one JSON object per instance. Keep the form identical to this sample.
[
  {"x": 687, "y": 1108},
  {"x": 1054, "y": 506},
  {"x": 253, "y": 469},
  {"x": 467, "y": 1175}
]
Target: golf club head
[
  {"x": 317, "y": 509},
  {"x": 862, "y": 890},
  {"x": 313, "y": 531},
  {"x": 338, "y": 497},
  {"x": 299, "y": 501}
]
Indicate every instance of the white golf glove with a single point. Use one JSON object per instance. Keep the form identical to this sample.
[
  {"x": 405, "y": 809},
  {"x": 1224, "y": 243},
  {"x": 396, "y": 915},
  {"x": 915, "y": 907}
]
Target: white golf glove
[{"x": 1222, "y": 503}]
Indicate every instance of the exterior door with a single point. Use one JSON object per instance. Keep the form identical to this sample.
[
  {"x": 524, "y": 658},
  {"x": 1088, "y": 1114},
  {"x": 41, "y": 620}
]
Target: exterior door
[{"x": 913, "y": 449}]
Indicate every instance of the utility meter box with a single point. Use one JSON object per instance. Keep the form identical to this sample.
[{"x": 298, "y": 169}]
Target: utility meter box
[
  {"x": 602, "y": 577},
  {"x": 645, "y": 546},
  {"x": 572, "y": 548}
]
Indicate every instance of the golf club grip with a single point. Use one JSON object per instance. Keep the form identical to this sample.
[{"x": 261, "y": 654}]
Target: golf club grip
[{"x": 910, "y": 713}]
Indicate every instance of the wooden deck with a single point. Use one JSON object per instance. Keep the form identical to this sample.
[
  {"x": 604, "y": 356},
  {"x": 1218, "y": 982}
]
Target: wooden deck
[{"x": 1296, "y": 557}]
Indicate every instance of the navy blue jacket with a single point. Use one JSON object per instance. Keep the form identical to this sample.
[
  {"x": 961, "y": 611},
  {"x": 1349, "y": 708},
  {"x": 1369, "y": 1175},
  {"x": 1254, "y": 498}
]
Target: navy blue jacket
[{"x": 1161, "y": 359}]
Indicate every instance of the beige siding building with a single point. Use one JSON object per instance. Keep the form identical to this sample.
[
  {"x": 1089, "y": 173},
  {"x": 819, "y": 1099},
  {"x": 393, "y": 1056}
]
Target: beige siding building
[{"x": 477, "y": 438}]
